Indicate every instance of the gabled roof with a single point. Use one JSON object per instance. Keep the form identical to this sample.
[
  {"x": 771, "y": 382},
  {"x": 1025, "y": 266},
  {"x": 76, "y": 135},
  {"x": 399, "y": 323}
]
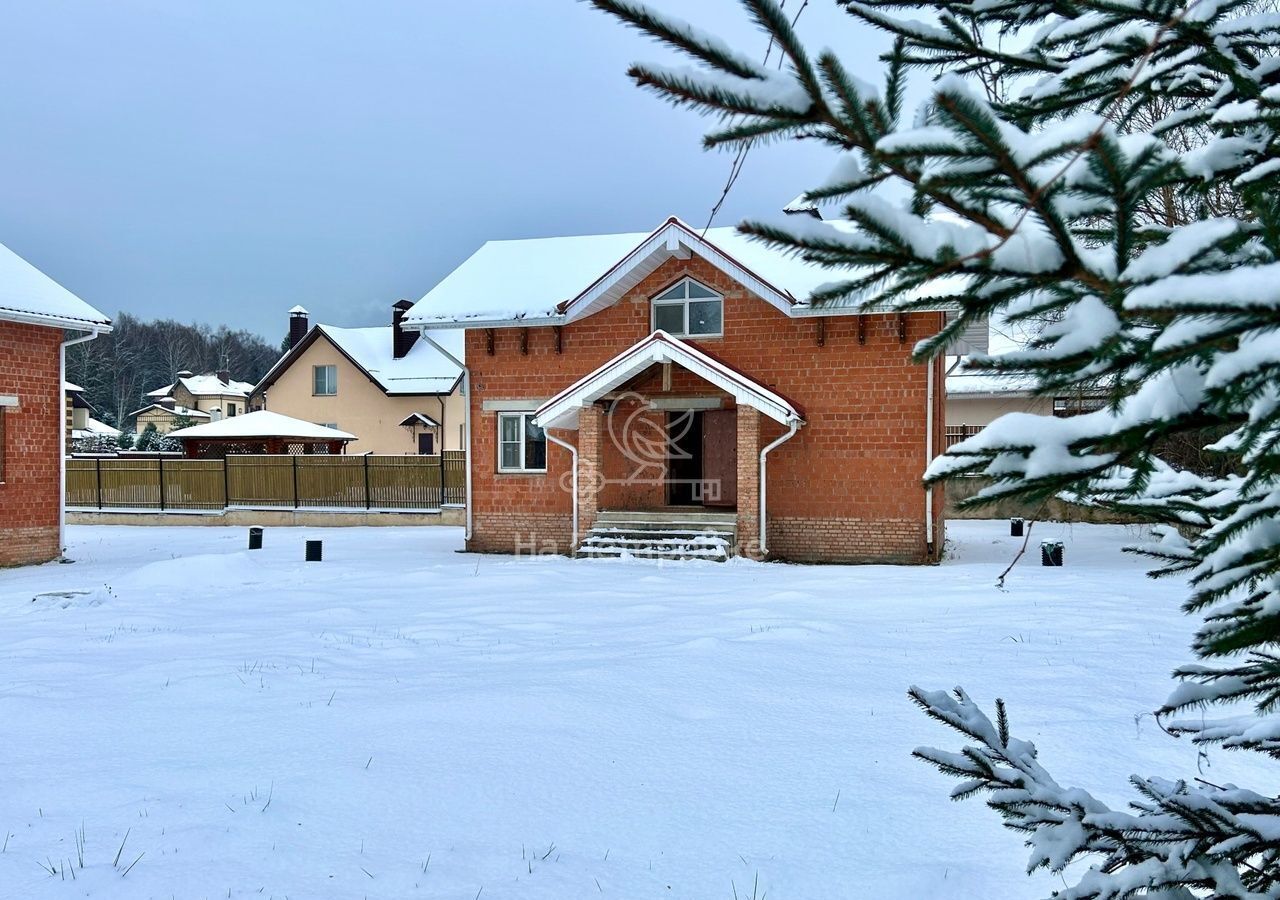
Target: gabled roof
[
  {"x": 261, "y": 424},
  {"x": 421, "y": 420},
  {"x": 176, "y": 410},
  {"x": 561, "y": 410},
  {"x": 29, "y": 295},
  {"x": 207, "y": 385},
  {"x": 549, "y": 281},
  {"x": 423, "y": 370}
]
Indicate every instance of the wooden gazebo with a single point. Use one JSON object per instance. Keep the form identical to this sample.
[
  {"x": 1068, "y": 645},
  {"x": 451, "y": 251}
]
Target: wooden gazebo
[{"x": 261, "y": 432}]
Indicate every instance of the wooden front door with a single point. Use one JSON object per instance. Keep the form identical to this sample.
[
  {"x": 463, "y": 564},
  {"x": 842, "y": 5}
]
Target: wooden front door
[{"x": 720, "y": 457}]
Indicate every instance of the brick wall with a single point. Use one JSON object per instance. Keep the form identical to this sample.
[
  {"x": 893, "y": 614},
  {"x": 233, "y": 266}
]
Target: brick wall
[
  {"x": 857, "y": 462},
  {"x": 29, "y": 499}
]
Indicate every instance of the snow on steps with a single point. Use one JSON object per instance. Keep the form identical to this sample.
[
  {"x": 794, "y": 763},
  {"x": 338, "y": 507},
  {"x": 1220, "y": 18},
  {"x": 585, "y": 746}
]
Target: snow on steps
[{"x": 661, "y": 535}]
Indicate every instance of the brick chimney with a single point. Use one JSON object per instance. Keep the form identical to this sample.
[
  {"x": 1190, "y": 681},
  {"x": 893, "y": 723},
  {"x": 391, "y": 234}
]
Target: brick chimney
[
  {"x": 402, "y": 339},
  {"x": 167, "y": 402},
  {"x": 298, "y": 325}
]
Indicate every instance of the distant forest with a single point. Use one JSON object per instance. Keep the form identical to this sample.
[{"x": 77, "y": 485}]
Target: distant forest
[{"x": 116, "y": 369}]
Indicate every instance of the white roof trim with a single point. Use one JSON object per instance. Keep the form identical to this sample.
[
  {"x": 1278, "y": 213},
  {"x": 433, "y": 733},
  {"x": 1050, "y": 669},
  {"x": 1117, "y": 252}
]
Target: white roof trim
[
  {"x": 674, "y": 239},
  {"x": 561, "y": 411}
]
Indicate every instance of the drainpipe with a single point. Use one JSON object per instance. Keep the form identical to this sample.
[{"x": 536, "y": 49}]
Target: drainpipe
[
  {"x": 466, "y": 420},
  {"x": 764, "y": 483},
  {"x": 573, "y": 451},
  {"x": 928, "y": 457},
  {"x": 62, "y": 435}
]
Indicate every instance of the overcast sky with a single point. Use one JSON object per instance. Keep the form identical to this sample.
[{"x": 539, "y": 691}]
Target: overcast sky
[{"x": 221, "y": 160}]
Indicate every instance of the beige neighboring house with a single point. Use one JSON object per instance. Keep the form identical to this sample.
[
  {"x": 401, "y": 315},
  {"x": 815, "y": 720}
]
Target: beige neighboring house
[
  {"x": 390, "y": 387},
  {"x": 977, "y": 398},
  {"x": 200, "y": 398}
]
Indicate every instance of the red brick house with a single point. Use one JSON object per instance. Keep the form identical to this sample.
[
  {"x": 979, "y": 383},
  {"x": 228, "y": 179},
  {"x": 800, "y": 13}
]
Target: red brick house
[
  {"x": 38, "y": 319},
  {"x": 672, "y": 393}
]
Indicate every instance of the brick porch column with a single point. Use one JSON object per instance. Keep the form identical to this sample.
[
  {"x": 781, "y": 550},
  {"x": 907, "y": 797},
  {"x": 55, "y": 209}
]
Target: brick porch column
[
  {"x": 749, "y": 482},
  {"x": 590, "y": 466}
]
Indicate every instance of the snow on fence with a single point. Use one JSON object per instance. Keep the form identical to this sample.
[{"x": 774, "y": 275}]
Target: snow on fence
[{"x": 276, "y": 482}]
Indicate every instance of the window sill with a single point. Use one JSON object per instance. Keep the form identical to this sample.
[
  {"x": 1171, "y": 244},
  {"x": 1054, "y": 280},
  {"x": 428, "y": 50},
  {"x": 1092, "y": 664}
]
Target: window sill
[{"x": 520, "y": 472}]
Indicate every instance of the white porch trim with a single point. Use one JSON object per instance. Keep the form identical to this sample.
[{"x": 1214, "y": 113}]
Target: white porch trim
[{"x": 561, "y": 411}]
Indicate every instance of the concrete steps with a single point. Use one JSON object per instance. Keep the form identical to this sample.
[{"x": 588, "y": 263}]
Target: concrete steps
[{"x": 661, "y": 534}]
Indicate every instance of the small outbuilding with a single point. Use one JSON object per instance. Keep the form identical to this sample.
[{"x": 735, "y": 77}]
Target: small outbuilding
[{"x": 261, "y": 432}]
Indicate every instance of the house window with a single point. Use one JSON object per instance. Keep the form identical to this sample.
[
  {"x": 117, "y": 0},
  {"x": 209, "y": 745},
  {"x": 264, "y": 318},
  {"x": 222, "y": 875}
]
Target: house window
[
  {"x": 231, "y": 410},
  {"x": 689, "y": 309},
  {"x": 325, "y": 381},
  {"x": 333, "y": 425},
  {"x": 522, "y": 445}
]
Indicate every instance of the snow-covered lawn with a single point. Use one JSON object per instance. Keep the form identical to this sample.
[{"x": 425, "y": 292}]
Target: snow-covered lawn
[{"x": 402, "y": 720}]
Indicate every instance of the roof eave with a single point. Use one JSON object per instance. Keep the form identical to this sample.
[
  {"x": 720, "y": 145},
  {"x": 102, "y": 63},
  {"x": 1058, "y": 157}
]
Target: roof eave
[
  {"x": 525, "y": 322},
  {"x": 27, "y": 318}
]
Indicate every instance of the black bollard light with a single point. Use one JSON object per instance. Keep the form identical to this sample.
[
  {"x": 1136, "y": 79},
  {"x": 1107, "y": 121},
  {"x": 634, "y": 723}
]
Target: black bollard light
[
  {"x": 313, "y": 551},
  {"x": 1051, "y": 553},
  {"x": 1015, "y": 527},
  {"x": 255, "y": 538}
]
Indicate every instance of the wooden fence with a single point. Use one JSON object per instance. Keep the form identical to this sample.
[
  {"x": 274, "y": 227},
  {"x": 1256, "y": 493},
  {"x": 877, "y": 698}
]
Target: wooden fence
[{"x": 278, "y": 482}]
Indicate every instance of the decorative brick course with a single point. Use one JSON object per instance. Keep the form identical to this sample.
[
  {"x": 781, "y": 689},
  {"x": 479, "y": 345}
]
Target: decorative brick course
[{"x": 29, "y": 501}]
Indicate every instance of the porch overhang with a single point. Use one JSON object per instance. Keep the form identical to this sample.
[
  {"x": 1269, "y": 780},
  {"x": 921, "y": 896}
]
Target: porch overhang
[{"x": 561, "y": 411}]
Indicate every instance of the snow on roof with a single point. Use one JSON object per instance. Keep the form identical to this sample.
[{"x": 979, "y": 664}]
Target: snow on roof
[
  {"x": 93, "y": 426},
  {"x": 298, "y": 309},
  {"x": 209, "y": 385},
  {"x": 262, "y": 424},
  {"x": 68, "y": 386},
  {"x": 176, "y": 410},
  {"x": 423, "y": 370},
  {"x": 27, "y": 294},
  {"x": 966, "y": 382},
  {"x": 529, "y": 279}
]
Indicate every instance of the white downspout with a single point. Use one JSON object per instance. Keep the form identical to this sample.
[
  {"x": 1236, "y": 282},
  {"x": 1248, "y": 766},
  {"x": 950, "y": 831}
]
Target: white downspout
[
  {"x": 928, "y": 457},
  {"x": 466, "y": 420},
  {"x": 573, "y": 451},
  {"x": 764, "y": 481},
  {"x": 62, "y": 435}
]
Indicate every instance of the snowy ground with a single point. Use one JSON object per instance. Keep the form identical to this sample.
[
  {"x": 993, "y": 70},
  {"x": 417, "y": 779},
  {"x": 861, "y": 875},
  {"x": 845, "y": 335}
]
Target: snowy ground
[{"x": 401, "y": 720}]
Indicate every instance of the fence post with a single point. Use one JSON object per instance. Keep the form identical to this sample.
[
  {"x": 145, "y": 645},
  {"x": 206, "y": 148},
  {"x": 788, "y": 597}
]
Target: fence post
[
  {"x": 294, "y": 459},
  {"x": 226, "y": 485},
  {"x": 98, "y": 467},
  {"x": 368, "y": 501},
  {"x": 160, "y": 460}
]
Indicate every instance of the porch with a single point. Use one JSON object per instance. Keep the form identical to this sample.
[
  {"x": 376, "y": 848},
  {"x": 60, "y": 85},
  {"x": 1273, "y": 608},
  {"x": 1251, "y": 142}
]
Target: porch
[{"x": 668, "y": 457}]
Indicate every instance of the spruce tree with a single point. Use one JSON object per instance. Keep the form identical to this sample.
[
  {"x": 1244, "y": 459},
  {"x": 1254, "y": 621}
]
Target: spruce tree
[{"x": 1109, "y": 170}]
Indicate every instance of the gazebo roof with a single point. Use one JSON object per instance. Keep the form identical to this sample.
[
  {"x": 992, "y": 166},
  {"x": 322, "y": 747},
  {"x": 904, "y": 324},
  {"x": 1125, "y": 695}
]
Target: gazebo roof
[{"x": 259, "y": 425}]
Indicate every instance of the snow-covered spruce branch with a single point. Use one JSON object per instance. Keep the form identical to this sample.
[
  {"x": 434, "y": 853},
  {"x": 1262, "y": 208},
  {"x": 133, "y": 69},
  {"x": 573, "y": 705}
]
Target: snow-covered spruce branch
[{"x": 1178, "y": 837}]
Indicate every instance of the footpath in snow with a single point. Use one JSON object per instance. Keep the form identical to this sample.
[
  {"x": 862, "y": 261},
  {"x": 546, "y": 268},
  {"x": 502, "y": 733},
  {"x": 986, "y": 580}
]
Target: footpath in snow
[{"x": 402, "y": 720}]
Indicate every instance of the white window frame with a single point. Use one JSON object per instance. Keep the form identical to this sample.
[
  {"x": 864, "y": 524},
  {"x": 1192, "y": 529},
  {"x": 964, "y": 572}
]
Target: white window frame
[
  {"x": 684, "y": 302},
  {"x": 522, "y": 416},
  {"x": 329, "y": 384}
]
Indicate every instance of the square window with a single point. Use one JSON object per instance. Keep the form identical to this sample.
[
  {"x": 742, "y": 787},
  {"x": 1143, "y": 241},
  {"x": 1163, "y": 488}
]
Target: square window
[
  {"x": 705, "y": 317},
  {"x": 669, "y": 317}
]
